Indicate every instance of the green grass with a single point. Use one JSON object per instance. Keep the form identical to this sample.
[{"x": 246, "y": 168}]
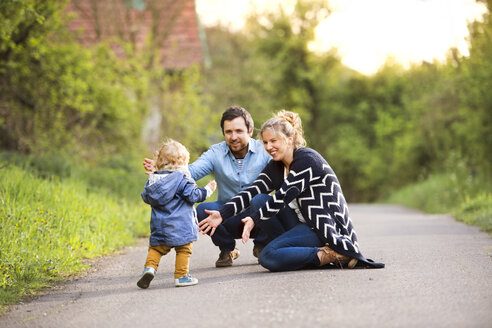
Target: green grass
[
  {"x": 120, "y": 176},
  {"x": 466, "y": 197},
  {"x": 477, "y": 211},
  {"x": 51, "y": 218}
]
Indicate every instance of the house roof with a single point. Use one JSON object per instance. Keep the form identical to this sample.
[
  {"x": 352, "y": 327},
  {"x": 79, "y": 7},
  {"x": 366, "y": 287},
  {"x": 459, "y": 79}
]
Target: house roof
[{"x": 174, "y": 25}]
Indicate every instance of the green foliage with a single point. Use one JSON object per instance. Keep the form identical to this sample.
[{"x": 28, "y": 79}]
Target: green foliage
[
  {"x": 56, "y": 94},
  {"x": 117, "y": 175},
  {"x": 237, "y": 77},
  {"x": 379, "y": 132},
  {"x": 23, "y": 23},
  {"x": 61, "y": 222},
  {"x": 69, "y": 97},
  {"x": 474, "y": 127},
  {"x": 46, "y": 165},
  {"x": 477, "y": 211},
  {"x": 186, "y": 116},
  {"x": 268, "y": 67},
  {"x": 282, "y": 40},
  {"x": 466, "y": 197}
]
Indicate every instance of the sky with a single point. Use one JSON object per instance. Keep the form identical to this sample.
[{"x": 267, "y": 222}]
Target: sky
[{"x": 367, "y": 32}]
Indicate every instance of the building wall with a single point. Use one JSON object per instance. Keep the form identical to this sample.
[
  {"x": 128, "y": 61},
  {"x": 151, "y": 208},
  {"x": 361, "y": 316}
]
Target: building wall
[{"x": 169, "y": 25}]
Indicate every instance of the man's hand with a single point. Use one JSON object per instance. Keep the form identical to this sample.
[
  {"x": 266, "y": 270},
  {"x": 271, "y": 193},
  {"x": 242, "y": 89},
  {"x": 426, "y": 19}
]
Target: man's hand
[
  {"x": 211, "y": 223},
  {"x": 249, "y": 224},
  {"x": 148, "y": 165}
]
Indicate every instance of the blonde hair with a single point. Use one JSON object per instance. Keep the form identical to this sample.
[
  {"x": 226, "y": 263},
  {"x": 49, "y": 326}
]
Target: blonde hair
[
  {"x": 171, "y": 156},
  {"x": 287, "y": 124}
]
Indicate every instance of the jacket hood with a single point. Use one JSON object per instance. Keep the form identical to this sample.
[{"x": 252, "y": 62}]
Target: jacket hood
[{"x": 162, "y": 186}]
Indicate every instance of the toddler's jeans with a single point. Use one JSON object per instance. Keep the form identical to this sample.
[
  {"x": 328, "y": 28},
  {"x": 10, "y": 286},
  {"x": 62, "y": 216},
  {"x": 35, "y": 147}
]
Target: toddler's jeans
[{"x": 183, "y": 254}]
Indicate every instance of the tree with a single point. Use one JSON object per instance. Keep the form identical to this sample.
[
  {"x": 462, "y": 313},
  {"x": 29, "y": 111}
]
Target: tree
[
  {"x": 475, "y": 112},
  {"x": 56, "y": 94}
]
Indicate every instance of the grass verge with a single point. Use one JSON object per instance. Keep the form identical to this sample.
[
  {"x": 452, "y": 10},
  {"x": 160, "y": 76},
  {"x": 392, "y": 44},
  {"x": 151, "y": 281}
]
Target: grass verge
[
  {"x": 49, "y": 224},
  {"x": 466, "y": 197}
]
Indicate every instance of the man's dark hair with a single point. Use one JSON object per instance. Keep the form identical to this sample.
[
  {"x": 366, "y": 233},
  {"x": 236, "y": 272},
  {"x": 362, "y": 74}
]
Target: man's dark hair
[{"x": 237, "y": 111}]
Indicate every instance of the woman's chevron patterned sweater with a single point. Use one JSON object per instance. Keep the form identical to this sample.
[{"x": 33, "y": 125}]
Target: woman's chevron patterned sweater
[{"x": 314, "y": 185}]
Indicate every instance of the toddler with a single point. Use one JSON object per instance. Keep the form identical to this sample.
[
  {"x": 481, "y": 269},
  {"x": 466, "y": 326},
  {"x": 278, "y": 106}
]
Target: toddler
[{"x": 171, "y": 193}]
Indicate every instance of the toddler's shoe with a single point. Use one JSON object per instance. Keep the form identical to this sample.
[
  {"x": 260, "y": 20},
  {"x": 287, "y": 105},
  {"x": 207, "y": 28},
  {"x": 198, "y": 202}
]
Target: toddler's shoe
[
  {"x": 186, "y": 280},
  {"x": 147, "y": 276}
]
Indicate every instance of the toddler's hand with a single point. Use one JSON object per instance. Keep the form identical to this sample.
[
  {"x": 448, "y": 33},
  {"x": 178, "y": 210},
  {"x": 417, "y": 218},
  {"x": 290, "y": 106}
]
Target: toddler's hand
[
  {"x": 212, "y": 185},
  {"x": 148, "y": 165}
]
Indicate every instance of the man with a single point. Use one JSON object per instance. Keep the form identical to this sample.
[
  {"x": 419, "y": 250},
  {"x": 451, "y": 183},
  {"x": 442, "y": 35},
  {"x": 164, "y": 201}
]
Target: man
[{"x": 235, "y": 164}]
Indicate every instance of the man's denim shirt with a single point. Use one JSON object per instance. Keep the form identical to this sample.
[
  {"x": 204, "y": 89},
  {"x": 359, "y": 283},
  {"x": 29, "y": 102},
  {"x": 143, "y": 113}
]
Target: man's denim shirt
[{"x": 219, "y": 161}]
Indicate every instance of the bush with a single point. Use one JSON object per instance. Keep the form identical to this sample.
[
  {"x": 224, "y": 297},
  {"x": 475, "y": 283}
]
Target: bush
[
  {"x": 461, "y": 194},
  {"x": 477, "y": 211},
  {"x": 57, "y": 94}
]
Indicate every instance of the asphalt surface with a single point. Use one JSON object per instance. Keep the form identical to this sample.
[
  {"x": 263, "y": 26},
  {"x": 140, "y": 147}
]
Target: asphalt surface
[{"x": 438, "y": 274}]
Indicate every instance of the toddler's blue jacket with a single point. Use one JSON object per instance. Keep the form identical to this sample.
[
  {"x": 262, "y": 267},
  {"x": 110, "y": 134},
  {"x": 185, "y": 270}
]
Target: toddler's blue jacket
[{"x": 172, "y": 194}]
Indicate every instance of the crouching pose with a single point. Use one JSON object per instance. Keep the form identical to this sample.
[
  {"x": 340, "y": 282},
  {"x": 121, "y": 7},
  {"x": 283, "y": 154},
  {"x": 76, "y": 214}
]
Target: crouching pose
[{"x": 305, "y": 187}]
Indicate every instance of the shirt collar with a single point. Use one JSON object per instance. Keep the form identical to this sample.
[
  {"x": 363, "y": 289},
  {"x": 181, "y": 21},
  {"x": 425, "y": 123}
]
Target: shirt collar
[{"x": 251, "y": 147}]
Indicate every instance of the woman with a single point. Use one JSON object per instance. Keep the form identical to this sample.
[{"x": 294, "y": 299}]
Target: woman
[{"x": 305, "y": 185}]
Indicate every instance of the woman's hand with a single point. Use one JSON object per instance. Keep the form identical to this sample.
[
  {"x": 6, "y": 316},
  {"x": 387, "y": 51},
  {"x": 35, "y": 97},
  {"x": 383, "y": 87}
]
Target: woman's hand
[
  {"x": 211, "y": 223},
  {"x": 148, "y": 165},
  {"x": 249, "y": 224}
]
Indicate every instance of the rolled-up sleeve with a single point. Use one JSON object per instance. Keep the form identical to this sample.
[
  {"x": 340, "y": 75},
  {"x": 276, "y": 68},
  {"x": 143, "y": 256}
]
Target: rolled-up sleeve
[{"x": 203, "y": 166}]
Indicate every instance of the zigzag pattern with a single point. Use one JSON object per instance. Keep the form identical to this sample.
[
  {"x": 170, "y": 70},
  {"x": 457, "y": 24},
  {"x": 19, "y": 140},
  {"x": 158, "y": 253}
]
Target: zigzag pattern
[
  {"x": 281, "y": 198},
  {"x": 260, "y": 185},
  {"x": 320, "y": 198},
  {"x": 328, "y": 210}
]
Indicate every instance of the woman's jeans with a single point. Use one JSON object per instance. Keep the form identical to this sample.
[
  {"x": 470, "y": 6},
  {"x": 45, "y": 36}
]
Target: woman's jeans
[
  {"x": 290, "y": 245},
  {"x": 293, "y": 250},
  {"x": 294, "y": 245}
]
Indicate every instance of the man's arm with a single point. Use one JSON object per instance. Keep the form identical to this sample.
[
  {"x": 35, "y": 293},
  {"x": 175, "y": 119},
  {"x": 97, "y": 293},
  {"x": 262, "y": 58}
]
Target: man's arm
[
  {"x": 262, "y": 185},
  {"x": 203, "y": 166}
]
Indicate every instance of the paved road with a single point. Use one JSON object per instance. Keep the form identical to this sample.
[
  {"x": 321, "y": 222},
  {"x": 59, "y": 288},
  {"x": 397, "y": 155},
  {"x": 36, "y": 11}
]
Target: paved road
[{"x": 438, "y": 274}]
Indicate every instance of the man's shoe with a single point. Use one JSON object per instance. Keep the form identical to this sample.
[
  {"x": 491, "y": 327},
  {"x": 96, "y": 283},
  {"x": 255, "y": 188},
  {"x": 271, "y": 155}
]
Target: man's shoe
[
  {"x": 330, "y": 256},
  {"x": 226, "y": 257},
  {"x": 257, "y": 250},
  {"x": 186, "y": 280},
  {"x": 147, "y": 276}
]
